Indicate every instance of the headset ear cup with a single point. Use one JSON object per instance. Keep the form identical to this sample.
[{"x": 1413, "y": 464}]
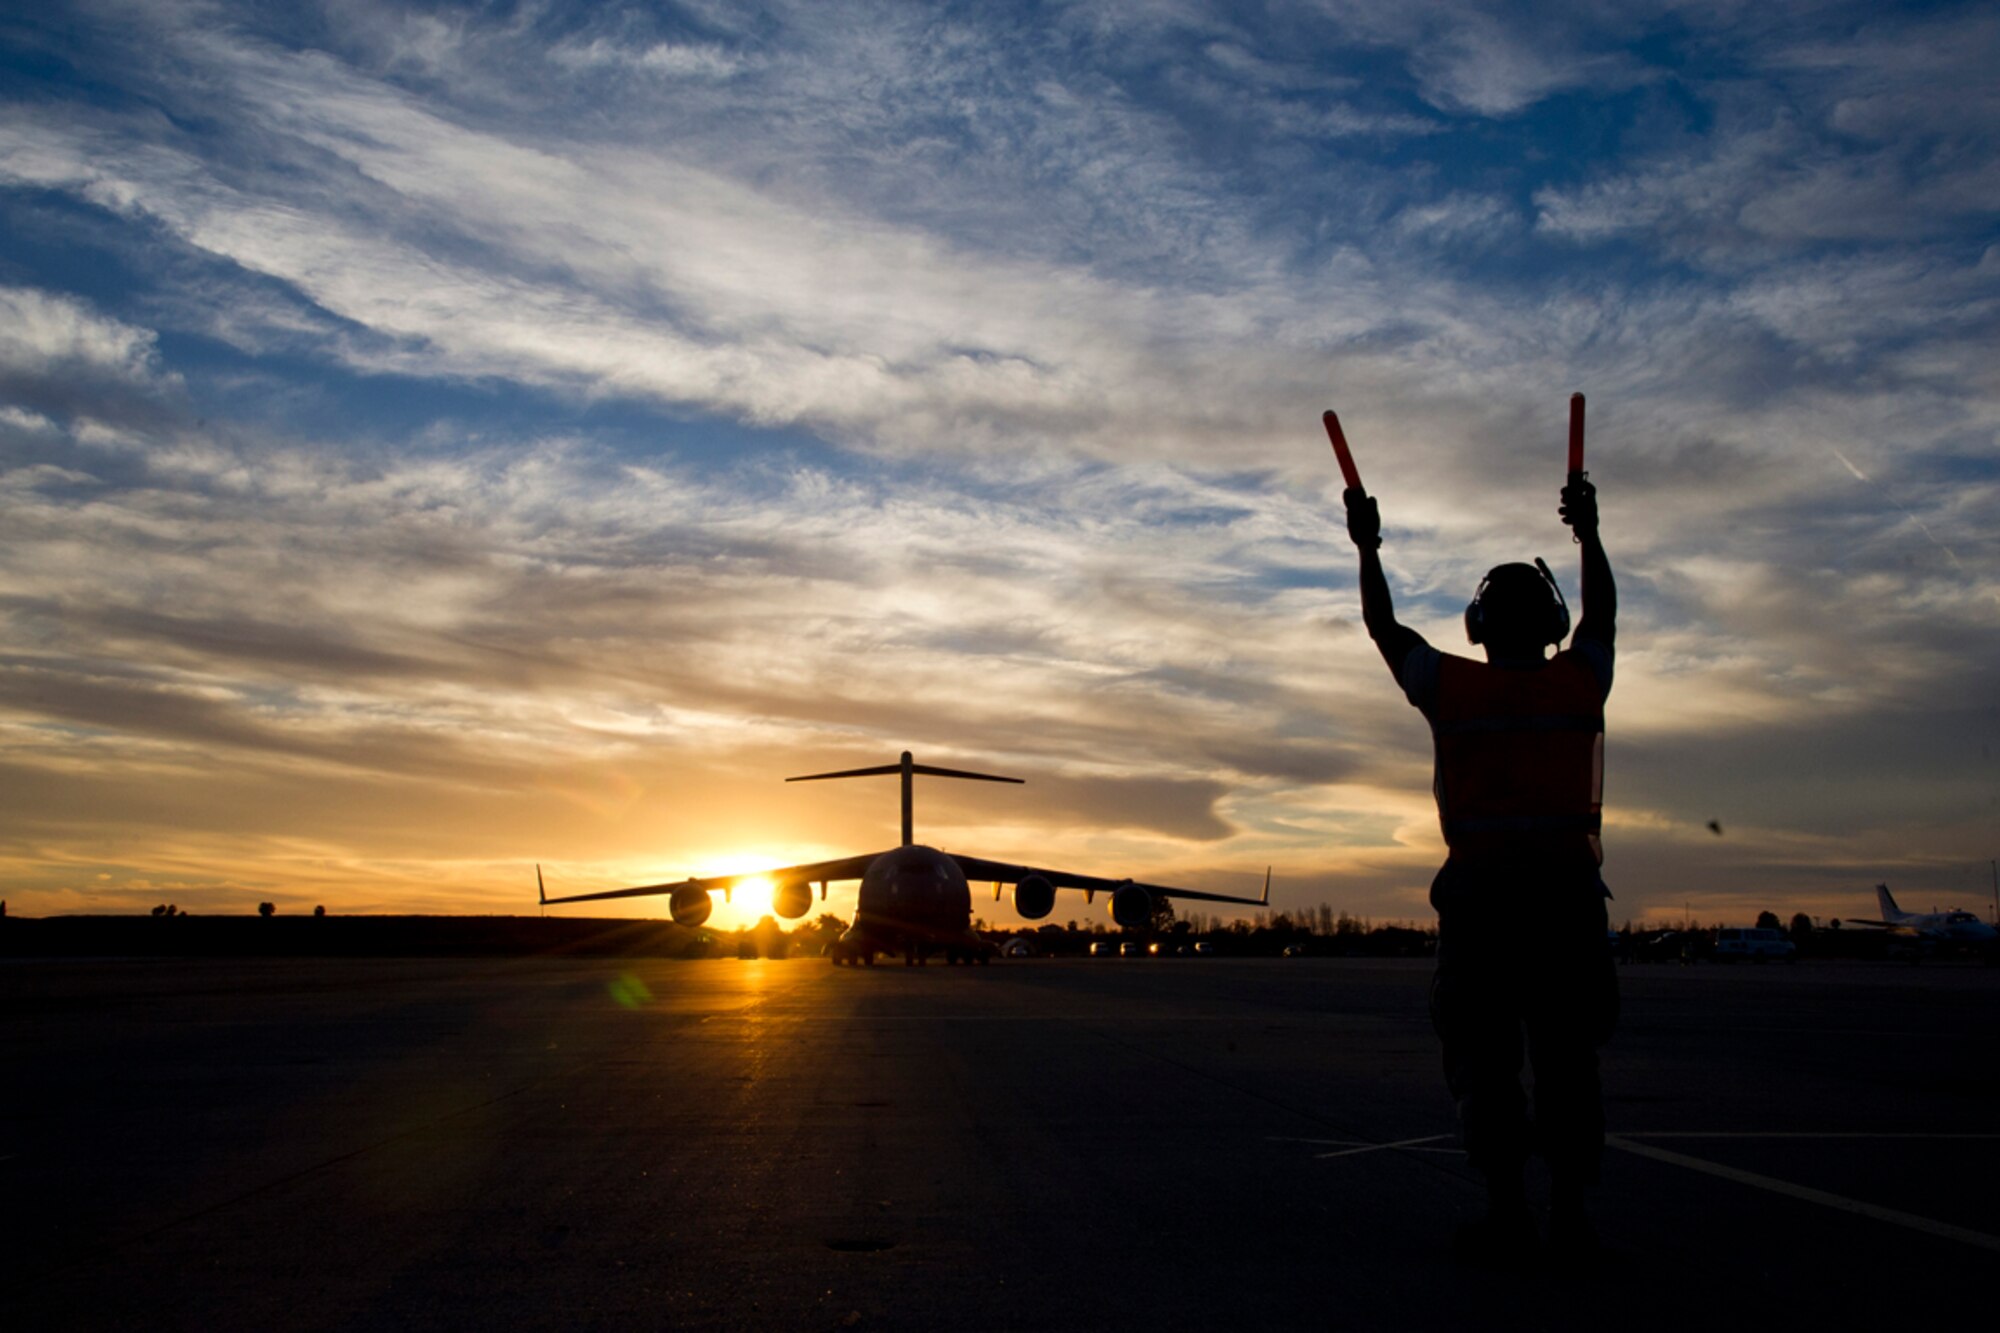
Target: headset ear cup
[{"x": 1475, "y": 623}]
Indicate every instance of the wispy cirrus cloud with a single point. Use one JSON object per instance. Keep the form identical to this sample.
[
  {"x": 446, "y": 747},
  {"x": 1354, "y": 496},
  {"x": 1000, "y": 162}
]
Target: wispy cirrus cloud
[{"x": 704, "y": 60}]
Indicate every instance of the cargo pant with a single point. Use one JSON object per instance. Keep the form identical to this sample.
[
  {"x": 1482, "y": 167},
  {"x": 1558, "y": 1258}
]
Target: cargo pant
[{"x": 1524, "y": 968}]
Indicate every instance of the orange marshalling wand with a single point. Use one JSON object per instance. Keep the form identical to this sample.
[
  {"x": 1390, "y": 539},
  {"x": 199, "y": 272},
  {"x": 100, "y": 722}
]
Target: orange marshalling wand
[
  {"x": 1340, "y": 452},
  {"x": 1575, "y": 436}
]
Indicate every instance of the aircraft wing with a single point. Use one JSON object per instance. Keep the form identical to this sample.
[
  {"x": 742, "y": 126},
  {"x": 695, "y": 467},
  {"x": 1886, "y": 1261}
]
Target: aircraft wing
[
  {"x": 815, "y": 872},
  {"x": 977, "y": 868}
]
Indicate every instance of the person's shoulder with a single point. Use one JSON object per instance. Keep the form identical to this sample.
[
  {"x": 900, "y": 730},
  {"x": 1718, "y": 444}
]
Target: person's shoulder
[
  {"x": 1591, "y": 652},
  {"x": 1422, "y": 667},
  {"x": 1594, "y": 655}
]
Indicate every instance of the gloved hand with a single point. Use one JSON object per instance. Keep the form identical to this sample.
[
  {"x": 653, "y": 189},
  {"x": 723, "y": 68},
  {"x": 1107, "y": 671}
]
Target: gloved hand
[
  {"x": 1579, "y": 507},
  {"x": 1364, "y": 519}
]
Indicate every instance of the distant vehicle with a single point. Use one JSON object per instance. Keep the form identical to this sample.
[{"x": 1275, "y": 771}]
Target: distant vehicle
[
  {"x": 914, "y": 900},
  {"x": 1203, "y": 949},
  {"x": 1017, "y": 948},
  {"x": 1759, "y": 945},
  {"x": 1130, "y": 949},
  {"x": 1103, "y": 949},
  {"x": 1952, "y": 928},
  {"x": 1293, "y": 951},
  {"x": 1660, "y": 946}
]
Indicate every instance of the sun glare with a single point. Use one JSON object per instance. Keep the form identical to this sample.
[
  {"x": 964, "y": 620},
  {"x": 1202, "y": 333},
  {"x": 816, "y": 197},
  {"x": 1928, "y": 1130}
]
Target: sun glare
[{"x": 751, "y": 898}]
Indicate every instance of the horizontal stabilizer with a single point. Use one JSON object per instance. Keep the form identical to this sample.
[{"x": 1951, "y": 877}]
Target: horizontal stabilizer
[
  {"x": 886, "y": 770},
  {"x": 907, "y": 769}
]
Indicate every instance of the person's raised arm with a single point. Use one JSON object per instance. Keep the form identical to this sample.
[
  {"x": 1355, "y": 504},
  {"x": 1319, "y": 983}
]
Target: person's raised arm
[
  {"x": 1378, "y": 611},
  {"x": 1600, "y": 594}
]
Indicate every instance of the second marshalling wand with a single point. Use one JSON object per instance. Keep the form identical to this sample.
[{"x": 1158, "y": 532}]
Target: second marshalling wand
[{"x": 1352, "y": 475}]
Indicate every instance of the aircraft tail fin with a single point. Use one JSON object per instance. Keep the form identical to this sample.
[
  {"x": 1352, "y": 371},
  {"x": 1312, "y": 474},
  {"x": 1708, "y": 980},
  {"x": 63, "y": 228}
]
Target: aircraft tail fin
[{"x": 1887, "y": 900}]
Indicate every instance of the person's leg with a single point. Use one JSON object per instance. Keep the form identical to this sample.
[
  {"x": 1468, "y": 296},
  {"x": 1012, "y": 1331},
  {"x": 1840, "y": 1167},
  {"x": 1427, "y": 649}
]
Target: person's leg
[
  {"x": 1569, "y": 1127},
  {"x": 1571, "y": 1010},
  {"x": 1479, "y": 1029}
]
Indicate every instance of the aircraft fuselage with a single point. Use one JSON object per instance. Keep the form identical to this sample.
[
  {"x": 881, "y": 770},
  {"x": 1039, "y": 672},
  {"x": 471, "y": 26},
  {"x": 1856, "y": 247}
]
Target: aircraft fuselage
[{"x": 914, "y": 901}]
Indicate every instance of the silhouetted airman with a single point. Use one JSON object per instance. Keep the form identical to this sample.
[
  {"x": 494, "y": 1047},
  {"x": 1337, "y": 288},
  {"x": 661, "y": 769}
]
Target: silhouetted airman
[{"x": 1522, "y": 953}]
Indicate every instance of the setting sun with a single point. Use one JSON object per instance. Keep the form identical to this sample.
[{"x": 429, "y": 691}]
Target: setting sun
[{"x": 750, "y": 899}]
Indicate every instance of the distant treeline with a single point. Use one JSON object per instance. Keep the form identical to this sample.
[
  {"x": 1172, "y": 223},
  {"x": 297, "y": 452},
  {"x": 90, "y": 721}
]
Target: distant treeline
[
  {"x": 1318, "y": 933},
  {"x": 188, "y": 936},
  {"x": 1696, "y": 943}
]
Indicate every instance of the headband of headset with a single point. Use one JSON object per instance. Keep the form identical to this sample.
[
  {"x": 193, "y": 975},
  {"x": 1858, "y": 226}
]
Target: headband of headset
[{"x": 1555, "y": 626}]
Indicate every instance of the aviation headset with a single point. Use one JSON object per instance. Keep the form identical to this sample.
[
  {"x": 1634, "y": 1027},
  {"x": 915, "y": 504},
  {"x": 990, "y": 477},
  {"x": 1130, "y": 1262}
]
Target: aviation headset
[{"x": 1553, "y": 615}]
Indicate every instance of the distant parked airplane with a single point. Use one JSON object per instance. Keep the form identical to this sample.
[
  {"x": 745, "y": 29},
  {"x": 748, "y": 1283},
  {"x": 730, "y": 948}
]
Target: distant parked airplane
[
  {"x": 915, "y": 900},
  {"x": 1953, "y": 928}
]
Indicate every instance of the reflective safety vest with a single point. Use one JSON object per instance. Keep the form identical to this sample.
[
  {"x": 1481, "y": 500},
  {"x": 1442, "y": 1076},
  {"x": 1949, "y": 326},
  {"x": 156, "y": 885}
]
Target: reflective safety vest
[{"x": 1520, "y": 759}]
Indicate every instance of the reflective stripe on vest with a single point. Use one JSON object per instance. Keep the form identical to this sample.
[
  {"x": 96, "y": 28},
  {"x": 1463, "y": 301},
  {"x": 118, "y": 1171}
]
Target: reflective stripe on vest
[{"x": 1520, "y": 758}]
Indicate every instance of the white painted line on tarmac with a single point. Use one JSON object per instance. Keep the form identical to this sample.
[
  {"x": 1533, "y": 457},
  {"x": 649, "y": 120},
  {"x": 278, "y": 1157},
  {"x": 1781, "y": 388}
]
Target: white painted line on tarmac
[
  {"x": 1892, "y": 1216},
  {"x": 1364, "y": 1144},
  {"x": 1785, "y": 1134},
  {"x": 1380, "y": 1147}
]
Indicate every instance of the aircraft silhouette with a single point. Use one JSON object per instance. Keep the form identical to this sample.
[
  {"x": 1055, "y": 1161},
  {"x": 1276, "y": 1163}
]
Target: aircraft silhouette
[
  {"x": 914, "y": 900},
  {"x": 1952, "y": 928}
]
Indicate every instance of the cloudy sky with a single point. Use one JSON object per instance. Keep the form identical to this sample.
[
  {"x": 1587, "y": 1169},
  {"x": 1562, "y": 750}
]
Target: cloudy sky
[{"x": 440, "y": 438}]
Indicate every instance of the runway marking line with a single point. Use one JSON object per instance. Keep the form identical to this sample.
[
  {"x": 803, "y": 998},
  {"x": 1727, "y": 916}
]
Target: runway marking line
[
  {"x": 1787, "y": 1134},
  {"x": 1354, "y": 1147},
  {"x": 1806, "y": 1194},
  {"x": 1803, "y": 1193}
]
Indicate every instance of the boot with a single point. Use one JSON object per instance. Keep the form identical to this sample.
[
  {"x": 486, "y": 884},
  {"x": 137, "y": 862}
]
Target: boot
[{"x": 1505, "y": 1237}]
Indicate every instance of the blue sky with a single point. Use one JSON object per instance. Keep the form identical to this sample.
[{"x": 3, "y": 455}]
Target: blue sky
[{"x": 439, "y": 438}]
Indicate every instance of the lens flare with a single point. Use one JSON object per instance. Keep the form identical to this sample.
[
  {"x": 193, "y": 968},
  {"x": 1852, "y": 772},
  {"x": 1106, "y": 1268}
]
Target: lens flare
[{"x": 630, "y": 992}]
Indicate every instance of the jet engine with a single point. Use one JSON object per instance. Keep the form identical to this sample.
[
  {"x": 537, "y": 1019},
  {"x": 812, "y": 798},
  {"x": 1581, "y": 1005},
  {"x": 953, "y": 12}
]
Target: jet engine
[
  {"x": 1132, "y": 907},
  {"x": 791, "y": 901},
  {"x": 690, "y": 907},
  {"x": 1034, "y": 897}
]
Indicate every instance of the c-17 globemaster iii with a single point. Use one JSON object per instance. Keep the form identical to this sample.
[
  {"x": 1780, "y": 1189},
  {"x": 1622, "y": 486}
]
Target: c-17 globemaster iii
[{"x": 915, "y": 900}]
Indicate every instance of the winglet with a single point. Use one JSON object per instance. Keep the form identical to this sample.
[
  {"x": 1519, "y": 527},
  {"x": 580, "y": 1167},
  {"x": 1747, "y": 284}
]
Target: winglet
[
  {"x": 1265, "y": 901},
  {"x": 541, "y": 894}
]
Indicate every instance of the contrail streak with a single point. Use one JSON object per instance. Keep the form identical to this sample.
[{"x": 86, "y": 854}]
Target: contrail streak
[{"x": 1908, "y": 513}]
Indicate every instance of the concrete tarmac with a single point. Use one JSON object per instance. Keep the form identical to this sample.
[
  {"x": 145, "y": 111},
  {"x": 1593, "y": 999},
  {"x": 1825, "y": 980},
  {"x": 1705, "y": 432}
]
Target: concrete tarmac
[{"x": 1106, "y": 1144}]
